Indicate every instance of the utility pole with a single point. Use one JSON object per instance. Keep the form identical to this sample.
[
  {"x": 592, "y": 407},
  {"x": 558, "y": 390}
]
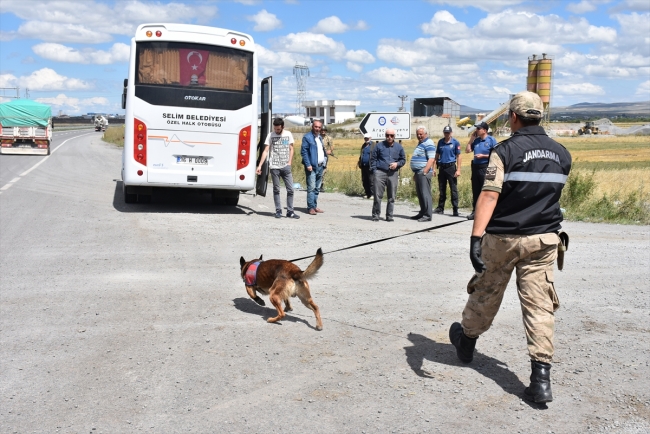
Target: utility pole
[
  {"x": 301, "y": 72},
  {"x": 403, "y": 98}
]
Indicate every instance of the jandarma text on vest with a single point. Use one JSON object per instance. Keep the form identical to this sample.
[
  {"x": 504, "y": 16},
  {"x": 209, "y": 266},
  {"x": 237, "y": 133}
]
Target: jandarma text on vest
[{"x": 543, "y": 154}]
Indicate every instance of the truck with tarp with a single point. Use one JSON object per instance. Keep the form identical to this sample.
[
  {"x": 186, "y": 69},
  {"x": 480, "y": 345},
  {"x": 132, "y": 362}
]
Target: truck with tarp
[{"x": 25, "y": 127}]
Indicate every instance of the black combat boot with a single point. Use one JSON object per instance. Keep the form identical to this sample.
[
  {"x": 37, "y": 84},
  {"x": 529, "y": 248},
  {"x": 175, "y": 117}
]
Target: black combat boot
[
  {"x": 464, "y": 345},
  {"x": 540, "y": 383}
]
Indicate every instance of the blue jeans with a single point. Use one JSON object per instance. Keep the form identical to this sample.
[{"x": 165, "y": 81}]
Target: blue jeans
[{"x": 314, "y": 180}]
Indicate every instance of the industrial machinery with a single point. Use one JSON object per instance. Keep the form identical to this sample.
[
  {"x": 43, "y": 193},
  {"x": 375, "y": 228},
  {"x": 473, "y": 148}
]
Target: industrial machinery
[{"x": 589, "y": 128}]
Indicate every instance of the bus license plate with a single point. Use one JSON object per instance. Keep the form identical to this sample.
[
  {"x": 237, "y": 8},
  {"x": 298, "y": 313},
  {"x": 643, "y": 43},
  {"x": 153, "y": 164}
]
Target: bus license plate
[{"x": 185, "y": 159}]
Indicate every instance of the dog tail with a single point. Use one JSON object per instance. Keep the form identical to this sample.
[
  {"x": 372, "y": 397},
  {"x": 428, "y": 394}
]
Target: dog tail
[{"x": 315, "y": 265}]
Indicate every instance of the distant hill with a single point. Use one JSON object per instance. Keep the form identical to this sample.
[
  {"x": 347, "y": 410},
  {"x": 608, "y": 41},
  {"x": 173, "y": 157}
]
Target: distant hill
[
  {"x": 467, "y": 110},
  {"x": 585, "y": 110},
  {"x": 610, "y": 110}
]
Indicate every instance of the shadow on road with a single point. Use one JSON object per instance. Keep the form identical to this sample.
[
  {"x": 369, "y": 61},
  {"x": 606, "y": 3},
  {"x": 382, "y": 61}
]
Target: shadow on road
[
  {"x": 438, "y": 352},
  {"x": 247, "y": 305},
  {"x": 177, "y": 200}
]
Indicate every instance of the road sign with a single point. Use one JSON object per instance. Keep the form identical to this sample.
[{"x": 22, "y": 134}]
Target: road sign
[{"x": 377, "y": 123}]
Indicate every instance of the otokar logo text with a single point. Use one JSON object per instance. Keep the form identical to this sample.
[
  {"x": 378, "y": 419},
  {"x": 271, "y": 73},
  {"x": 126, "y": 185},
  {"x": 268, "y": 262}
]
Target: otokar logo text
[{"x": 194, "y": 98}]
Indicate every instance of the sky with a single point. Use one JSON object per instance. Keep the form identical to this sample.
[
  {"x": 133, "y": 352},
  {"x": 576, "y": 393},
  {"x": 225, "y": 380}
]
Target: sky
[{"x": 73, "y": 54}]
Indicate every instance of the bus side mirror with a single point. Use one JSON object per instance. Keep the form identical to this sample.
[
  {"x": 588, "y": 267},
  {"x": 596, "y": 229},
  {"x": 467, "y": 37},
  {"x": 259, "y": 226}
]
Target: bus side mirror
[{"x": 126, "y": 82}]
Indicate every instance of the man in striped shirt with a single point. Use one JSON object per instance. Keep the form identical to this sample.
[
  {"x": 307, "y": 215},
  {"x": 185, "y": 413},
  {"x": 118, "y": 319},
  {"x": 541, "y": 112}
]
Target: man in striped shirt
[{"x": 422, "y": 161}]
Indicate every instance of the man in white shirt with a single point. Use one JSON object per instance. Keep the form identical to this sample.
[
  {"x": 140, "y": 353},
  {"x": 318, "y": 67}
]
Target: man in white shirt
[
  {"x": 279, "y": 149},
  {"x": 313, "y": 158}
]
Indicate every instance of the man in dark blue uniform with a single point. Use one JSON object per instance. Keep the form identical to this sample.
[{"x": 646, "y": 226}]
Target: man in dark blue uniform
[
  {"x": 516, "y": 226},
  {"x": 480, "y": 143},
  {"x": 448, "y": 162}
]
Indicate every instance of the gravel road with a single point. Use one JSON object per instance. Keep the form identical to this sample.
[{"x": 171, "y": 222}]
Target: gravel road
[{"x": 127, "y": 318}]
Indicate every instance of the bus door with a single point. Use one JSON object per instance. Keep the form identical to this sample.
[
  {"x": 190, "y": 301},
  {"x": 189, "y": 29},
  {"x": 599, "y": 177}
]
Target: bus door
[{"x": 266, "y": 112}]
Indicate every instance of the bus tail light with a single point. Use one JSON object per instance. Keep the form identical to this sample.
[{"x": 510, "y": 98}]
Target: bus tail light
[
  {"x": 139, "y": 141},
  {"x": 243, "y": 151}
]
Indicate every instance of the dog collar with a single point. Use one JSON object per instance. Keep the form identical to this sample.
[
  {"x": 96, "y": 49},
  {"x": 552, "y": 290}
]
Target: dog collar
[{"x": 250, "y": 278}]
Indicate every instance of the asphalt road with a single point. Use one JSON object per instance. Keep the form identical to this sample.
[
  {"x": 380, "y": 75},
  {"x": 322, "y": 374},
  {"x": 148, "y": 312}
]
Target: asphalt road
[{"x": 128, "y": 318}]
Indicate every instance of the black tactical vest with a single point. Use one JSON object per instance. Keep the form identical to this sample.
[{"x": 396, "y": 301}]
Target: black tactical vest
[{"x": 536, "y": 168}]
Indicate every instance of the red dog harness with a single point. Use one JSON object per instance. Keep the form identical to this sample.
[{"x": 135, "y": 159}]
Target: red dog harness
[{"x": 250, "y": 278}]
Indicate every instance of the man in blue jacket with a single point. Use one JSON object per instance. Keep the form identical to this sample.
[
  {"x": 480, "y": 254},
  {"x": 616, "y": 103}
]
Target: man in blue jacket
[
  {"x": 313, "y": 158},
  {"x": 385, "y": 162}
]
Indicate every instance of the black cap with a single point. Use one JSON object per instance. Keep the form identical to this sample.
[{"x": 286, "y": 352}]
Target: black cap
[
  {"x": 446, "y": 129},
  {"x": 324, "y": 128},
  {"x": 482, "y": 125}
]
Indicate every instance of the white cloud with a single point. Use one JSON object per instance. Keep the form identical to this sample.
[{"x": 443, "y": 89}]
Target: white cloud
[
  {"x": 579, "y": 89},
  {"x": 393, "y": 76},
  {"x": 265, "y": 21},
  {"x": 60, "y": 32},
  {"x": 8, "y": 80},
  {"x": 488, "y": 6},
  {"x": 95, "y": 22},
  {"x": 632, "y": 5},
  {"x": 7, "y": 36},
  {"x": 502, "y": 90},
  {"x": 506, "y": 76},
  {"x": 644, "y": 89},
  {"x": 309, "y": 43},
  {"x": 271, "y": 61},
  {"x": 119, "y": 52},
  {"x": 581, "y": 8},
  {"x": 616, "y": 65},
  {"x": 354, "y": 67},
  {"x": 67, "y": 103},
  {"x": 331, "y": 24},
  {"x": 334, "y": 24},
  {"x": 359, "y": 56},
  {"x": 444, "y": 24},
  {"x": 361, "y": 25},
  {"x": 48, "y": 79},
  {"x": 550, "y": 28}
]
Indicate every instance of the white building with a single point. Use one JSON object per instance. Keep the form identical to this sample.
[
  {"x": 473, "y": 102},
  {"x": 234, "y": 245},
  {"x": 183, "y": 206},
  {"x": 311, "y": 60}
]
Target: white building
[{"x": 331, "y": 111}]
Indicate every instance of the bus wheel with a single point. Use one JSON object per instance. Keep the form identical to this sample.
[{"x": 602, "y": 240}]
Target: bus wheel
[
  {"x": 144, "y": 198},
  {"x": 232, "y": 200},
  {"x": 128, "y": 197},
  {"x": 225, "y": 197}
]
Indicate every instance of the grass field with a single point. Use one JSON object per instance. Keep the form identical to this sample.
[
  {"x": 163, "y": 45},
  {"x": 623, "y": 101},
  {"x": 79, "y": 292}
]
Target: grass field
[
  {"x": 610, "y": 178},
  {"x": 115, "y": 135}
]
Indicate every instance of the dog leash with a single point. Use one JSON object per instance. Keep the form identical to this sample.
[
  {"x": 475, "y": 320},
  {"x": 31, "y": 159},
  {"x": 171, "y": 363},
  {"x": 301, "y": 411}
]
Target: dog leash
[{"x": 383, "y": 239}]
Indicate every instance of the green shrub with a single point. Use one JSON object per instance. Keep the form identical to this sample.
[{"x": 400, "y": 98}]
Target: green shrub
[{"x": 578, "y": 188}]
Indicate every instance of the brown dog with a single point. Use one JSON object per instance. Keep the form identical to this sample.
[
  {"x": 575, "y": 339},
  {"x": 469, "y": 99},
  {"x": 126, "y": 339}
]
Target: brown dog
[{"x": 280, "y": 279}]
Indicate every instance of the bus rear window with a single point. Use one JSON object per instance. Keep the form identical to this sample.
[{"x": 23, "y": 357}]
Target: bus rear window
[{"x": 191, "y": 65}]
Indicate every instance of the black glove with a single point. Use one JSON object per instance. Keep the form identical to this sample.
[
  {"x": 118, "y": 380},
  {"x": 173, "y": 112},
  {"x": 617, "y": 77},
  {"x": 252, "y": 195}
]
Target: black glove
[{"x": 475, "y": 254}]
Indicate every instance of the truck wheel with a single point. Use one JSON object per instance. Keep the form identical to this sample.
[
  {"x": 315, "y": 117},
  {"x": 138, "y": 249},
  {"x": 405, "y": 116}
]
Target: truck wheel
[
  {"x": 144, "y": 198},
  {"x": 128, "y": 197}
]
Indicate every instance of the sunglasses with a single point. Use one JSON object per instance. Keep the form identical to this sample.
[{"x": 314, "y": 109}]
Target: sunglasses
[{"x": 390, "y": 135}]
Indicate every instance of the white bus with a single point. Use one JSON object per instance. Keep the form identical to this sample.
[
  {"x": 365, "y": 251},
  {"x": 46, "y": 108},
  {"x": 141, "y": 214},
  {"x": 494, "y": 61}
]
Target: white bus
[{"x": 191, "y": 100}]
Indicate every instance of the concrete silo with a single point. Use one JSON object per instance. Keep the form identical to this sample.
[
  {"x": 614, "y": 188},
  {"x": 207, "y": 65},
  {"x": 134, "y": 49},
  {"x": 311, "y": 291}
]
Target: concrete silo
[{"x": 540, "y": 75}]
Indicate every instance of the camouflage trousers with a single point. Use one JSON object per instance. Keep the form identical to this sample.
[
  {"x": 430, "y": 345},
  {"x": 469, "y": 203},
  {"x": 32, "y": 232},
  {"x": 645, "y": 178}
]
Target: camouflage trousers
[{"x": 533, "y": 256}]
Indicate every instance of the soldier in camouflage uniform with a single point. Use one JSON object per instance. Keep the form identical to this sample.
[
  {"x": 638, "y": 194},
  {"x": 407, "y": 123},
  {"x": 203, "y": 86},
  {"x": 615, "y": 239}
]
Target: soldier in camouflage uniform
[{"x": 516, "y": 225}]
